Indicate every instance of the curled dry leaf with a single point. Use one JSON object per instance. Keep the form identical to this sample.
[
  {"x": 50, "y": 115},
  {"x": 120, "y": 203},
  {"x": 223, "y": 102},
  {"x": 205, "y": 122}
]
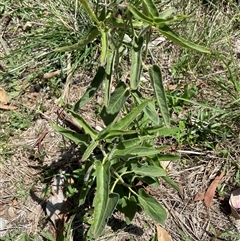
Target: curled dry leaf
[
  {"x": 208, "y": 198},
  {"x": 162, "y": 234},
  {"x": 208, "y": 195},
  {"x": 234, "y": 203}
]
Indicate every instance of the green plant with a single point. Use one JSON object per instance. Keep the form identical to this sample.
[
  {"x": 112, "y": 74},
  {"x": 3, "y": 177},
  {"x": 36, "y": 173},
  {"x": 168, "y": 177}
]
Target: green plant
[{"x": 123, "y": 158}]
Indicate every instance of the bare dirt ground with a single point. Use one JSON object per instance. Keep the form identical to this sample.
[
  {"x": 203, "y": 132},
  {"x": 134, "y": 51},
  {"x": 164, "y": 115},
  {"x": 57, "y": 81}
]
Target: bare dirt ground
[{"x": 22, "y": 183}]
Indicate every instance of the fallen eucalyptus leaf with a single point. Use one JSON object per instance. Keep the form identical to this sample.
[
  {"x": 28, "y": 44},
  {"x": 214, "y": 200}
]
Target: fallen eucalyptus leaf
[{"x": 210, "y": 193}]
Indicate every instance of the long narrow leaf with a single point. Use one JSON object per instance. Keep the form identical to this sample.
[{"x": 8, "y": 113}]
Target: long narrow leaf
[
  {"x": 137, "y": 14},
  {"x": 150, "y": 110},
  {"x": 109, "y": 74},
  {"x": 104, "y": 48},
  {"x": 166, "y": 31},
  {"x": 156, "y": 80},
  {"x": 91, "y": 90},
  {"x": 152, "y": 9},
  {"x": 161, "y": 131},
  {"x": 104, "y": 202},
  {"x": 152, "y": 207},
  {"x": 138, "y": 151},
  {"x": 150, "y": 171},
  {"x": 116, "y": 102},
  {"x": 90, "y": 12},
  {"x": 89, "y": 150},
  {"x": 87, "y": 128},
  {"x": 136, "y": 63},
  {"x": 166, "y": 13},
  {"x": 71, "y": 135},
  {"x": 127, "y": 120}
]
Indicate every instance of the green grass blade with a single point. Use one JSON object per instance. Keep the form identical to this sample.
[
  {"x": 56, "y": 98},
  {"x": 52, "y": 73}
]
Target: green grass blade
[
  {"x": 136, "y": 66},
  {"x": 166, "y": 31},
  {"x": 104, "y": 202},
  {"x": 87, "y": 128},
  {"x": 152, "y": 207},
  {"x": 82, "y": 43},
  {"x": 91, "y": 90},
  {"x": 151, "y": 7},
  {"x": 156, "y": 80}
]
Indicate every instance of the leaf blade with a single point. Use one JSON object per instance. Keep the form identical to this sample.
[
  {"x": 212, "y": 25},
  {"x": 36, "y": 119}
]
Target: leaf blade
[
  {"x": 156, "y": 80},
  {"x": 152, "y": 207},
  {"x": 104, "y": 202}
]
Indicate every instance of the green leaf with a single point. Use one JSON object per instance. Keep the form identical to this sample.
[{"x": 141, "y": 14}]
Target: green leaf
[
  {"x": 87, "y": 128},
  {"x": 109, "y": 74},
  {"x": 87, "y": 184},
  {"x": 160, "y": 22},
  {"x": 82, "y": 43},
  {"x": 166, "y": 31},
  {"x": 137, "y": 14},
  {"x": 161, "y": 131},
  {"x": 129, "y": 208},
  {"x": 167, "y": 157},
  {"x": 104, "y": 202},
  {"x": 137, "y": 151},
  {"x": 171, "y": 182},
  {"x": 89, "y": 150},
  {"x": 150, "y": 110},
  {"x": 151, "y": 171},
  {"x": 152, "y": 207},
  {"x": 166, "y": 13},
  {"x": 104, "y": 48},
  {"x": 91, "y": 90},
  {"x": 152, "y": 9},
  {"x": 136, "y": 63},
  {"x": 117, "y": 100},
  {"x": 115, "y": 134},
  {"x": 73, "y": 136},
  {"x": 90, "y": 12},
  {"x": 127, "y": 120},
  {"x": 156, "y": 80}
]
